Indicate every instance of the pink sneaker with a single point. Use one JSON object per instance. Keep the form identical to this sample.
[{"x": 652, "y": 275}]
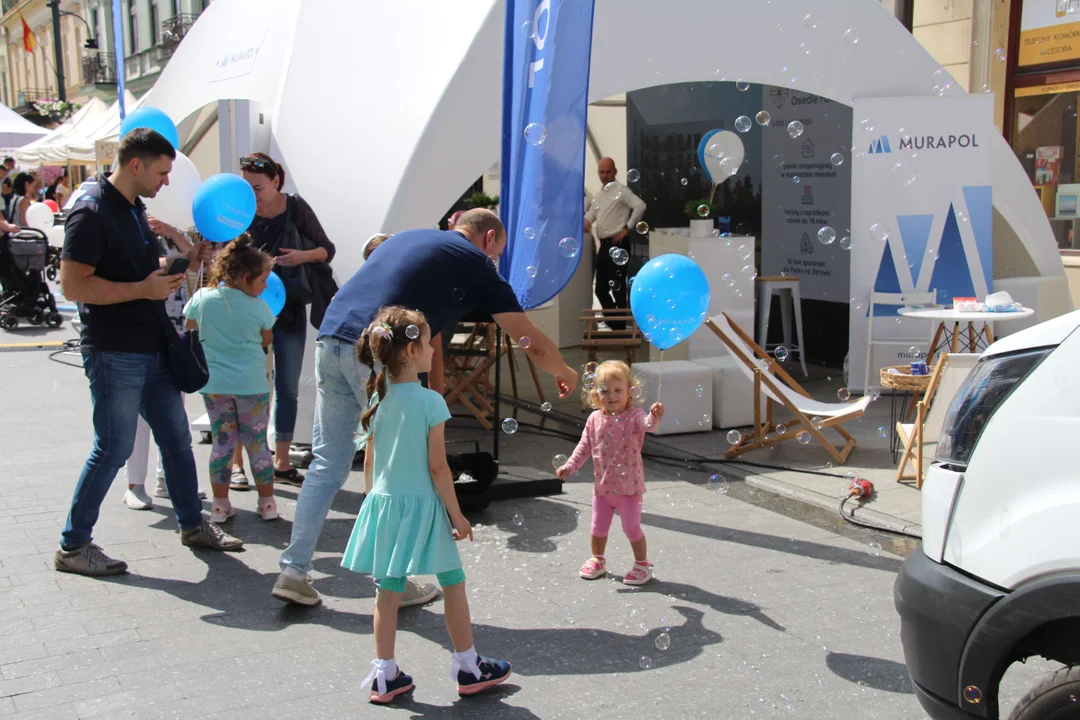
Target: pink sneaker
[
  {"x": 221, "y": 510},
  {"x": 640, "y": 574},
  {"x": 594, "y": 567},
  {"x": 267, "y": 508}
]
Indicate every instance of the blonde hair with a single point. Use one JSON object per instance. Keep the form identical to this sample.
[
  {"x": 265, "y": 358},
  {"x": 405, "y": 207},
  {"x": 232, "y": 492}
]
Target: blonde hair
[
  {"x": 373, "y": 242},
  {"x": 611, "y": 370},
  {"x": 386, "y": 340}
]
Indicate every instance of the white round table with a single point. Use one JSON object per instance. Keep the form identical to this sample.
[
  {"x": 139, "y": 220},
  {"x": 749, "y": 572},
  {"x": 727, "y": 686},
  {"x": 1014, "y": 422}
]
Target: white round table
[{"x": 948, "y": 339}]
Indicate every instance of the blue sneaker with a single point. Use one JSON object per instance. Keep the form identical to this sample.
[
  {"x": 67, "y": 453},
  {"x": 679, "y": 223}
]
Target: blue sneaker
[
  {"x": 401, "y": 684},
  {"x": 492, "y": 672}
]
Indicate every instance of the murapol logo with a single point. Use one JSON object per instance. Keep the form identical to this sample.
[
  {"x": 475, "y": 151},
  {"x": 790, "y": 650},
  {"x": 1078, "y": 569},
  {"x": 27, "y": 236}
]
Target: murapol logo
[{"x": 881, "y": 145}]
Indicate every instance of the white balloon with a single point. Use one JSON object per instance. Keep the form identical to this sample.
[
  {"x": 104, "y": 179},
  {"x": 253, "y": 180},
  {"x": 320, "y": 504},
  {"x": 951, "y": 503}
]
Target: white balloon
[
  {"x": 173, "y": 202},
  {"x": 40, "y": 216},
  {"x": 55, "y": 235},
  {"x": 724, "y": 155}
]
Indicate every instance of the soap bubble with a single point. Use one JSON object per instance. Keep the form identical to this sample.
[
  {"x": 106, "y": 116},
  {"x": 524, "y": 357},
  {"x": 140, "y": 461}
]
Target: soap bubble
[
  {"x": 684, "y": 182},
  {"x": 529, "y": 233},
  {"x": 794, "y": 129},
  {"x": 942, "y": 81},
  {"x": 781, "y": 429},
  {"x": 903, "y": 173},
  {"x": 519, "y": 521},
  {"x": 836, "y": 159},
  {"x": 535, "y": 134},
  {"x": 718, "y": 483},
  {"x": 412, "y": 332},
  {"x": 868, "y": 124},
  {"x": 803, "y": 437},
  {"x": 642, "y": 227},
  {"x": 763, "y": 117},
  {"x": 663, "y": 641},
  {"x": 843, "y": 394},
  {"x": 524, "y": 342},
  {"x": 588, "y": 380},
  {"x": 568, "y": 247},
  {"x": 873, "y": 393},
  {"x": 1000, "y": 54},
  {"x": 531, "y": 271},
  {"x": 527, "y": 29},
  {"x": 728, "y": 279},
  {"x": 743, "y": 124},
  {"x": 810, "y": 22},
  {"x": 742, "y": 86},
  {"x": 749, "y": 271},
  {"x": 703, "y": 210},
  {"x": 845, "y": 243},
  {"x": 972, "y": 694},
  {"x": 671, "y": 304},
  {"x": 882, "y": 432},
  {"x": 614, "y": 284},
  {"x": 699, "y": 391},
  {"x": 645, "y": 662},
  {"x": 632, "y": 176},
  {"x": 559, "y": 460},
  {"x": 613, "y": 190},
  {"x": 716, "y": 150},
  {"x": 510, "y": 426},
  {"x": 636, "y": 392},
  {"x": 874, "y": 549},
  {"x": 880, "y": 232},
  {"x": 851, "y": 36},
  {"x": 734, "y": 437},
  {"x": 780, "y": 353},
  {"x": 915, "y": 351},
  {"x": 545, "y": 407},
  {"x": 590, "y": 367},
  {"x": 796, "y": 179},
  {"x": 458, "y": 294},
  {"x": 826, "y": 235},
  {"x": 778, "y": 159},
  {"x": 619, "y": 256}
]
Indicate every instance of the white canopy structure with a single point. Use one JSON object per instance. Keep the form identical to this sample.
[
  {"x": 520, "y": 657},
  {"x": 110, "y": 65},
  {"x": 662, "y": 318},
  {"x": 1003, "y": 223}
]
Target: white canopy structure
[
  {"x": 52, "y": 148},
  {"x": 16, "y": 131},
  {"x": 81, "y": 147}
]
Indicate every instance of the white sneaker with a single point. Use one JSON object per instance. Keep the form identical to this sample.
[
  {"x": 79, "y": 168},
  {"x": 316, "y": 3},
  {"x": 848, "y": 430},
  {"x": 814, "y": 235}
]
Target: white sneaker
[
  {"x": 267, "y": 509},
  {"x": 137, "y": 499}
]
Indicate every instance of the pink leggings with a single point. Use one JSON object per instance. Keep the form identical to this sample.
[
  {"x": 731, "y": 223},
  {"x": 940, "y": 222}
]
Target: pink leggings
[{"x": 629, "y": 507}]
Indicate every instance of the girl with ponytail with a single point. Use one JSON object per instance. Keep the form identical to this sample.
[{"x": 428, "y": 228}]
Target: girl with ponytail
[{"x": 410, "y": 518}]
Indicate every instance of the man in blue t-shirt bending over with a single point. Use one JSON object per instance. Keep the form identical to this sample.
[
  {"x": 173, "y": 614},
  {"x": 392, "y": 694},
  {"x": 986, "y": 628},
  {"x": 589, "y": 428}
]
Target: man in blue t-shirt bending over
[{"x": 443, "y": 275}]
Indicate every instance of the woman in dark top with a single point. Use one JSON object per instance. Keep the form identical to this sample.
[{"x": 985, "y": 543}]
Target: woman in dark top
[{"x": 274, "y": 211}]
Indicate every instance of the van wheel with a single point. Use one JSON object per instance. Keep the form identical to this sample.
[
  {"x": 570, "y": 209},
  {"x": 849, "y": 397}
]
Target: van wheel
[{"x": 1055, "y": 698}]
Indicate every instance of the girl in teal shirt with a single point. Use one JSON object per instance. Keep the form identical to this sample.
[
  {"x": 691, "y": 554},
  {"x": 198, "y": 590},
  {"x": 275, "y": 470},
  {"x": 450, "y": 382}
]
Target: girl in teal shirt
[{"x": 403, "y": 527}]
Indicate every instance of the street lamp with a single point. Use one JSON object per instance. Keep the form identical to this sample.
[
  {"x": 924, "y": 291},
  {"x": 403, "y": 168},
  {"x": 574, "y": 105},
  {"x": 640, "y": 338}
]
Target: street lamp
[{"x": 58, "y": 45}]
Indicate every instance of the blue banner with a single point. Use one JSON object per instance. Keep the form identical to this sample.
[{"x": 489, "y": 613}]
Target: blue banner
[
  {"x": 545, "y": 100},
  {"x": 118, "y": 53}
]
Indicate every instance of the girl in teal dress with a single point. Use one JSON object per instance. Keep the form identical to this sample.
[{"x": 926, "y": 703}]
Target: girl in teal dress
[{"x": 410, "y": 519}]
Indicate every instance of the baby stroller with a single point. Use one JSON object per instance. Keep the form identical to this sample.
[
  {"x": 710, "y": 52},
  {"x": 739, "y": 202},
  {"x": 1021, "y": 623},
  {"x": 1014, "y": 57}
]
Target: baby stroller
[{"x": 22, "y": 279}]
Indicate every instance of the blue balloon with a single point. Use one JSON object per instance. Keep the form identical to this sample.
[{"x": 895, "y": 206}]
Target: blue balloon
[
  {"x": 274, "y": 294},
  {"x": 669, "y": 299},
  {"x": 224, "y": 207},
  {"x": 156, "y": 120}
]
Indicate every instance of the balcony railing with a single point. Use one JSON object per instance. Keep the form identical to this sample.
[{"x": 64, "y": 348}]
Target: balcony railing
[
  {"x": 25, "y": 99},
  {"x": 99, "y": 68},
  {"x": 173, "y": 31}
]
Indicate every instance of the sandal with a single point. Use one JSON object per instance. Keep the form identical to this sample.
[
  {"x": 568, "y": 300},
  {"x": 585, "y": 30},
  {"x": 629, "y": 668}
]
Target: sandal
[
  {"x": 594, "y": 567},
  {"x": 289, "y": 477},
  {"x": 239, "y": 480},
  {"x": 640, "y": 574}
]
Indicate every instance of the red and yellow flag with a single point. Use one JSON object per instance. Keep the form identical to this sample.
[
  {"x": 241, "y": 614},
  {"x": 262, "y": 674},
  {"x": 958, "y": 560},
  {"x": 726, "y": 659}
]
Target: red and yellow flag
[{"x": 28, "y": 40}]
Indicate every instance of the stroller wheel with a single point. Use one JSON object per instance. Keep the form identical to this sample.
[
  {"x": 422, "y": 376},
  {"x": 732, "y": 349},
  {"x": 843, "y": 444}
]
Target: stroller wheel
[
  {"x": 50, "y": 272},
  {"x": 8, "y": 321},
  {"x": 54, "y": 319},
  {"x": 36, "y": 316}
]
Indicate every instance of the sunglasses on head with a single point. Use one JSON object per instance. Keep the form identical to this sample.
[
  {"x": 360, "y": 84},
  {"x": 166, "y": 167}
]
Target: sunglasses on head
[{"x": 256, "y": 163}]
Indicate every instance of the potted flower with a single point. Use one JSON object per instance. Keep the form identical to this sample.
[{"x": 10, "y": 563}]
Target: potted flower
[{"x": 58, "y": 110}]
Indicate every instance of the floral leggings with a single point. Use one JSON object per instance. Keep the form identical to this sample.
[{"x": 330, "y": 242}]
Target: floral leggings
[{"x": 244, "y": 419}]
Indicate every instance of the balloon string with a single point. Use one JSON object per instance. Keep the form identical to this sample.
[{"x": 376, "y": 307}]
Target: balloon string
[{"x": 660, "y": 387}]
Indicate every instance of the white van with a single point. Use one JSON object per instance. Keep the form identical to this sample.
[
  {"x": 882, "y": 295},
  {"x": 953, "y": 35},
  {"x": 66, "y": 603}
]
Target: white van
[{"x": 997, "y": 579}]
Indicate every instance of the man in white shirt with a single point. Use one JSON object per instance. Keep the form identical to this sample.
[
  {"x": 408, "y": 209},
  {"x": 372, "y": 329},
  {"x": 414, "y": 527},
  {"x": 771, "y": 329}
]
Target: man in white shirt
[{"x": 612, "y": 213}]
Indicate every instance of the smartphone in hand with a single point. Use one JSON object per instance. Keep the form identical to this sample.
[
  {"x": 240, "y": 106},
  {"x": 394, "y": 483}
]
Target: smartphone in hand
[{"x": 177, "y": 265}]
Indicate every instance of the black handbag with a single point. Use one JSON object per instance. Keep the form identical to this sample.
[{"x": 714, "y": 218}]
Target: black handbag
[{"x": 297, "y": 279}]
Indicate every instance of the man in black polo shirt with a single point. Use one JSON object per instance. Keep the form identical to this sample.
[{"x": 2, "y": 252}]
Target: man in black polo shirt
[
  {"x": 110, "y": 264},
  {"x": 443, "y": 274}
]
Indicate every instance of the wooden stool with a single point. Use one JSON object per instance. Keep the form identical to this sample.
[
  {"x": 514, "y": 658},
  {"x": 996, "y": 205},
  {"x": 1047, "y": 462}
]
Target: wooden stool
[{"x": 598, "y": 340}]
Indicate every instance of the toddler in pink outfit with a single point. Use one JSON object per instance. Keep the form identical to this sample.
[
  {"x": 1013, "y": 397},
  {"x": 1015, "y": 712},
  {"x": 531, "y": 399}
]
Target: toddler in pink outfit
[{"x": 613, "y": 436}]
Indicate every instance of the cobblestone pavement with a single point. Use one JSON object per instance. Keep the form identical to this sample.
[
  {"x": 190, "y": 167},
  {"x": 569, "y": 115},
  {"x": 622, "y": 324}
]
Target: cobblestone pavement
[{"x": 768, "y": 615}]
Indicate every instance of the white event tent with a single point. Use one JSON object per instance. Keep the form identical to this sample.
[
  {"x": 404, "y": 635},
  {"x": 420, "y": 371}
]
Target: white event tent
[
  {"x": 52, "y": 148},
  {"x": 16, "y": 131},
  {"x": 81, "y": 147},
  {"x": 414, "y": 111}
]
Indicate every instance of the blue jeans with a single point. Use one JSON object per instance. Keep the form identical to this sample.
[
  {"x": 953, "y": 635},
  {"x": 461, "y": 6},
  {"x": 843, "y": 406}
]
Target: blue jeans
[
  {"x": 288, "y": 361},
  {"x": 122, "y": 387},
  {"x": 340, "y": 398}
]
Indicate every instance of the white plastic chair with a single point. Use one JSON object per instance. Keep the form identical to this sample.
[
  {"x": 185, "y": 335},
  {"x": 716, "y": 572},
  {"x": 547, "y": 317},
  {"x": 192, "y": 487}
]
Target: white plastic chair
[{"x": 876, "y": 298}]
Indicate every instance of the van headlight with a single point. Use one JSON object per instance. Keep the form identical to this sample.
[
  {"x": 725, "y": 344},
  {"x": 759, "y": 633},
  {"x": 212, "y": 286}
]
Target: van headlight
[{"x": 982, "y": 393}]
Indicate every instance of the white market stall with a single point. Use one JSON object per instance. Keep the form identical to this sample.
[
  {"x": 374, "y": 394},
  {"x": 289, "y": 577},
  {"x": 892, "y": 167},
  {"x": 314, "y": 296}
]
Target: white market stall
[
  {"x": 16, "y": 131},
  {"x": 52, "y": 148},
  {"x": 426, "y": 123}
]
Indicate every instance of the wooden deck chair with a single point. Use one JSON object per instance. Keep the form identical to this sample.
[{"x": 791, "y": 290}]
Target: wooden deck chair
[
  {"x": 949, "y": 373},
  {"x": 771, "y": 381},
  {"x": 597, "y": 339}
]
